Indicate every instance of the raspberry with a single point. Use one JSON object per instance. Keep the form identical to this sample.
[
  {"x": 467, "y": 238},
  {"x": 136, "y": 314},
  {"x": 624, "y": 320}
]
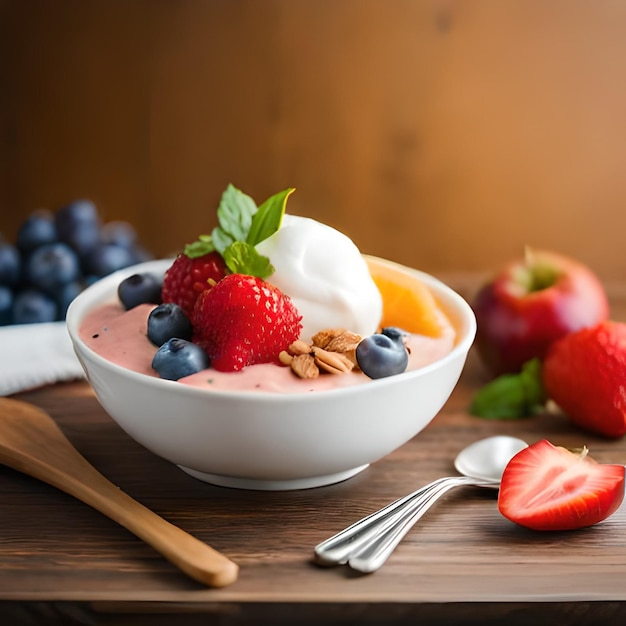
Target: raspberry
[
  {"x": 187, "y": 278},
  {"x": 244, "y": 320}
]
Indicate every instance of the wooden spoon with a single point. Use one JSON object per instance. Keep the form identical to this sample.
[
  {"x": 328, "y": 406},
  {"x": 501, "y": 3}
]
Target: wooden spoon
[{"x": 32, "y": 443}]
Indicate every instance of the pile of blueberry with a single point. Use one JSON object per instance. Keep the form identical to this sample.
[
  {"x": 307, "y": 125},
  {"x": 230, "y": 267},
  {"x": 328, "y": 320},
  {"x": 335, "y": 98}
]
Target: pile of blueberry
[{"x": 55, "y": 256}]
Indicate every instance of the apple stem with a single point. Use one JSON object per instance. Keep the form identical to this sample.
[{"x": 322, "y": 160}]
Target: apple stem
[
  {"x": 539, "y": 275},
  {"x": 529, "y": 257}
]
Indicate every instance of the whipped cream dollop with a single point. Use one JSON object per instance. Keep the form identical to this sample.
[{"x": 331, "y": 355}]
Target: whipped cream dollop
[{"x": 324, "y": 274}]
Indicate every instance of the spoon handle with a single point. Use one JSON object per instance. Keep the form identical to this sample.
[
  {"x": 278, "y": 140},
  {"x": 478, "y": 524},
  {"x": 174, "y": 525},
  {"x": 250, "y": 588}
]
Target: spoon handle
[
  {"x": 194, "y": 557},
  {"x": 372, "y": 555},
  {"x": 336, "y": 550},
  {"x": 189, "y": 554},
  {"x": 32, "y": 443}
]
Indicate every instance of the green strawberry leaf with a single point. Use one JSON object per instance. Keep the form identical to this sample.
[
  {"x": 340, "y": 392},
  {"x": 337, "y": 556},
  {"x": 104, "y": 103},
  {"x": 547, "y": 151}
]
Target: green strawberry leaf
[
  {"x": 242, "y": 258},
  {"x": 512, "y": 396},
  {"x": 268, "y": 218}
]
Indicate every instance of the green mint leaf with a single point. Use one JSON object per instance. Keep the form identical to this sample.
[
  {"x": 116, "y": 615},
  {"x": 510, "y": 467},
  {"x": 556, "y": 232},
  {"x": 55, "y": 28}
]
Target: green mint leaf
[
  {"x": 221, "y": 239},
  {"x": 242, "y": 258},
  {"x": 235, "y": 213},
  {"x": 511, "y": 396},
  {"x": 198, "y": 248},
  {"x": 266, "y": 221},
  {"x": 241, "y": 226}
]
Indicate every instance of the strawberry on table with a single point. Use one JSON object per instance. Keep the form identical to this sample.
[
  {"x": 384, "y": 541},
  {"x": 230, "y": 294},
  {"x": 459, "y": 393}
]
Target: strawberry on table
[
  {"x": 546, "y": 487},
  {"x": 583, "y": 373},
  {"x": 244, "y": 320}
]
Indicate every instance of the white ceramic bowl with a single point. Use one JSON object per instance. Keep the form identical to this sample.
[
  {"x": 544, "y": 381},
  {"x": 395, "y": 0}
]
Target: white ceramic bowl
[{"x": 258, "y": 440}]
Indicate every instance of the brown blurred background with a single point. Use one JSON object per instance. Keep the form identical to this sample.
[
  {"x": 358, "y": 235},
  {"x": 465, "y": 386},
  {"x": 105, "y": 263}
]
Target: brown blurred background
[{"x": 446, "y": 135}]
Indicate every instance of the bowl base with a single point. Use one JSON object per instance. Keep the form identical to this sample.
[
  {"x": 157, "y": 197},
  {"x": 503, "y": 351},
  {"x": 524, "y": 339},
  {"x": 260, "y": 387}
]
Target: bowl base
[{"x": 273, "y": 485}]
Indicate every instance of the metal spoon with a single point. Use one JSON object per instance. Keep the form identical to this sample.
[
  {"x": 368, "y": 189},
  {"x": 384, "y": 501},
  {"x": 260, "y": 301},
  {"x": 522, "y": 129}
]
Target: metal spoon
[
  {"x": 32, "y": 443},
  {"x": 366, "y": 544}
]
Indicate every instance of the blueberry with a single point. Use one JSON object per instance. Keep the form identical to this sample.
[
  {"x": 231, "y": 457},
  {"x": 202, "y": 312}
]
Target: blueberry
[
  {"x": 106, "y": 258},
  {"x": 33, "y": 307},
  {"x": 75, "y": 212},
  {"x": 6, "y": 306},
  {"x": 65, "y": 295},
  {"x": 51, "y": 266},
  {"x": 120, "y": 233},
  {"x": 37, "y": 230},
  {"x": 78, "y": 225},
  {"x": 380, "y": 355},
  {"x": 395, "y": 334},
  {"x": 140, "y": 289},
  {"x": 10, "y": 264},
  {"x": 178, "y": 358},
  {"x": 166, "y": 322}
]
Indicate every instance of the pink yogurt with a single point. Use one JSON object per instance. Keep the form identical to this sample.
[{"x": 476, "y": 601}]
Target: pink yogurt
[{"x": 120, "y": 337}]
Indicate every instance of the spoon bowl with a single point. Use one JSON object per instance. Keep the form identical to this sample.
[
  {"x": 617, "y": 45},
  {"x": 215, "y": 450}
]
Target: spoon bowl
[
  {"x": 366, "y": 544},
  {"x": 487, "y": 458}
]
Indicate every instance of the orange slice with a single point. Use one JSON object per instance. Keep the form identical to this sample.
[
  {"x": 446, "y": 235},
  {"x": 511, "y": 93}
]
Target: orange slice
[{"x": 407, "y": 301}]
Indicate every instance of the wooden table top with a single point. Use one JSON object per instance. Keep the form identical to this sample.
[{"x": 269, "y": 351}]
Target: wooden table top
[{"x": 61, "y": 561}]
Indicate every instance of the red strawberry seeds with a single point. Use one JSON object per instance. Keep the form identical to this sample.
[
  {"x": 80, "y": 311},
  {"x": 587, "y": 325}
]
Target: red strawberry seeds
[
  {"x": 187, "y": 278},
  {"x": 243, "y": 320},
  {"x": 585, "y": 374}
]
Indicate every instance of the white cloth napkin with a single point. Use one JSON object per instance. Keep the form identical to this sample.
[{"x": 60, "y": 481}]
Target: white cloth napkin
[{"x": 33, "y": 355}]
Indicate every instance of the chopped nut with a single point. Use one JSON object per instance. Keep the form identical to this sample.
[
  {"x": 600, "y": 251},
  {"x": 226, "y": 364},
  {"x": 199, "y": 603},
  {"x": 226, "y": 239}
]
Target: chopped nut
[
  {"x": 299, "y": 347},
  {"x": 351, "y": 355},
  {"x": 332, "y": 362},
  {"x": 340, "y": 341},
  {"x": 324, "y": 337},
  {"x": 284, "y": 357},
  {"x": 303, "y": 365},
  {"x": 332, "y": 350},
  {"x": 344, "y": 343}
]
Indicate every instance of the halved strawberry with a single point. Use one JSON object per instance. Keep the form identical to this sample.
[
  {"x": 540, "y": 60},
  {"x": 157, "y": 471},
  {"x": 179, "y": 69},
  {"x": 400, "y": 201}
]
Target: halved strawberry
[
  {"x": 244, "y": 320},
  {"x": 547, "y": 487}
]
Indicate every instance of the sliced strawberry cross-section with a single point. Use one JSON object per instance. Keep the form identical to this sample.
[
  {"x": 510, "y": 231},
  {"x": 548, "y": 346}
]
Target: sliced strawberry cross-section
[{"x": 547, "y": 487}]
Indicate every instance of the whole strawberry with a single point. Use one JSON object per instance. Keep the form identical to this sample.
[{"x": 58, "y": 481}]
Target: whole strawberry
[
  {"x": 244, "y": 320},
  {"x": 585, "y": 374},
  {"x": 188, "y": 277}
]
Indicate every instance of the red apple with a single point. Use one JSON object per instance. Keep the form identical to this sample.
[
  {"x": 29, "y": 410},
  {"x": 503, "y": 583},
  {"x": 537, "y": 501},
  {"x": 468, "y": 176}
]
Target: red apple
[{"x": 531, "y": 302}]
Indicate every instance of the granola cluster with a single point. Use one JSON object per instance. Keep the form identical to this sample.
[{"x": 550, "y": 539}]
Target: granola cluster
[{"x": 332, "y": 350}]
